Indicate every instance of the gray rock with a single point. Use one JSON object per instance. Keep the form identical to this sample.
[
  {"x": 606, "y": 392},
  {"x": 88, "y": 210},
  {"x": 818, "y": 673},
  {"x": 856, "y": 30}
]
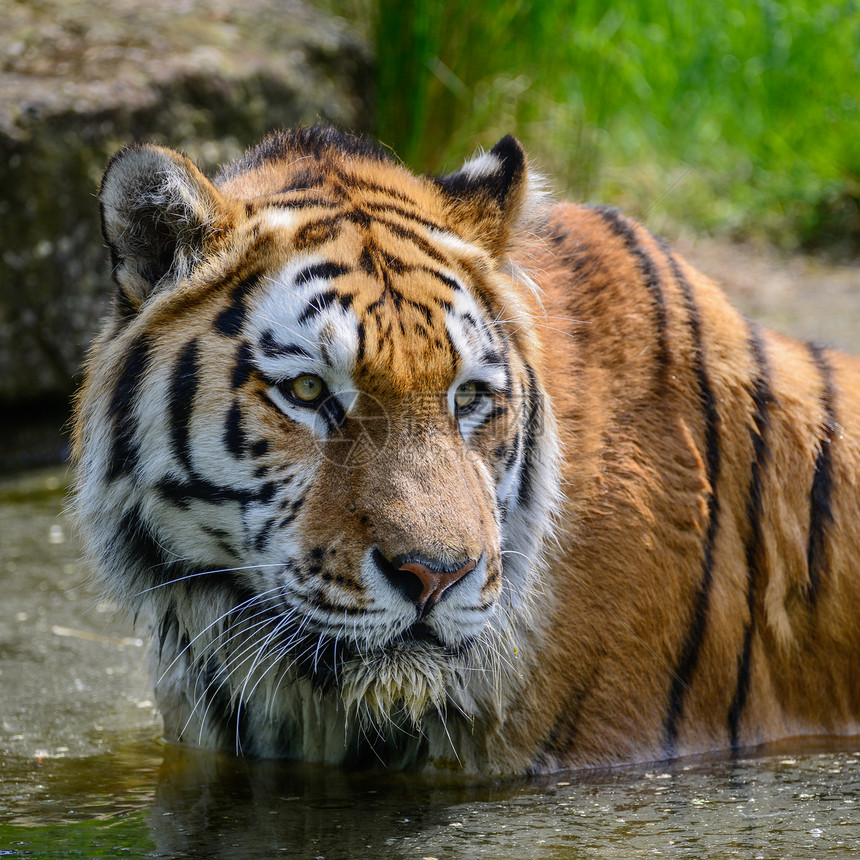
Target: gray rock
[{"x": 80, "y": 78}]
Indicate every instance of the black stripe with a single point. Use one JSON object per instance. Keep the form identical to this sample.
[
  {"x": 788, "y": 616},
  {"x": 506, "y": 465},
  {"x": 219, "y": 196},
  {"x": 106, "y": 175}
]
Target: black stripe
[
  {"x": 304, "y": 203},
  {"x": 625, "y": 230},
  {"x": 359, "y": 217},
  {"x": 366, "y": 262},
  {"x": 321, "y": 271},
  {"x": 493, "y": 358},
  {"x": 355, "y": 183},
  {"x": 139, "y": 544},
  {"x": 183, "y": 389},
  {"x": 274, "y": 349},
  {"x": 332, "y": 413},
  {"x": 317, "y": 232},
  {"x": 263, "y": 536},
  {"x": 259, "y": 448},
  {"x": 416, "y": 239},
  {"x": 361, "y": 331},
  {"x": 820, "y": 509},
  {"x": 469, "y": 320},
  {"x": 394, "y": 265},
  {"x": 221, "y": 538},
  {"x": 559, "y": 742},
  {"x": 320, "y": 302},
  {"x": 303, "y": 180},
  {"x": 495, "y": 413},
  {"x": 531, "y": 454},
  {"x": 200, "y": 489},
  {"x": 514, "y": 453},
  {"x": 243, "y": 367},
  {"x": 145, "y": 558},
  {"x": 445, "y": 279},
  {"x": 124, "y": 452},
  {"x": 478, "y": 291},
  {"x": 761, "y": 399},
  {"x": 126, "y": 307},
  {"x": 234, "y": 434},
  {"x": 388, "y": 292},
  {"x": 692, "y": 645},
  {"x": 423, "y": 309},
  {"x": 230, "y": 321},
  {"x": 404, "y": 213}
]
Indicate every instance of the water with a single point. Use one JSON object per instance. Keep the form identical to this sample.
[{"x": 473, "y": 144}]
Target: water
[
  {"x": 153, "y": 800},
  {"x": 83, "y": 773}
]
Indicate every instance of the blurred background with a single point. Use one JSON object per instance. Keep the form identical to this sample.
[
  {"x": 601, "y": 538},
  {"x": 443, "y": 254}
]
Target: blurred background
[{"x": 731, "y": 127}]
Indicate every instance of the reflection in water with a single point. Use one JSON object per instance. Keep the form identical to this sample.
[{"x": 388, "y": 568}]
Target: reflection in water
[
  {"x": 803, "y": 806},
  {"x": 149, "y": 799},
  {"x": 212, "y": 805}
]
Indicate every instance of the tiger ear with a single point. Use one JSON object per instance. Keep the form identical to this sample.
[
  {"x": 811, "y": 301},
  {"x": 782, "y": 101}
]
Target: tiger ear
[
  {"x": 488, "y": 196},
  {"x": 159, "y": 216}
]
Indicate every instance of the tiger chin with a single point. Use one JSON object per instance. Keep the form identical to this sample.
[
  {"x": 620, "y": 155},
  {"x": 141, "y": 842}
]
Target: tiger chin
[{"x": 433, "y": 472}]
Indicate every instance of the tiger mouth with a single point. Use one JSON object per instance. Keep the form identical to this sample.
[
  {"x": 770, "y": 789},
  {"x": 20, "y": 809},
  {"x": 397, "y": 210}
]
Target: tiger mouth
[
  {"x": 324, "y": 664},
  {"x": 421, "y": 632},
  {"x": 396, "y": 683}
]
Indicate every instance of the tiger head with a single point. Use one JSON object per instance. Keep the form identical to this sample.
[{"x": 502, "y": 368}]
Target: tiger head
[{"x": 313, "y": 446}]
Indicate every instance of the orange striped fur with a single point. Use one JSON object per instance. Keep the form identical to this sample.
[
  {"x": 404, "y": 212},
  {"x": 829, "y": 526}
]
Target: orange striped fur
[{"x": 428, "y": 471}]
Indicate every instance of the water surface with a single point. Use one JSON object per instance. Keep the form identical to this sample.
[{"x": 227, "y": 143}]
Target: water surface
[{"x": 84, "y": 774}]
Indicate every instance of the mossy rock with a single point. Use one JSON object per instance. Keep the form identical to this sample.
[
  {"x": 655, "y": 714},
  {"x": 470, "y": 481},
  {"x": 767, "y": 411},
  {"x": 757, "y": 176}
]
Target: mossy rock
[{"x": 80, "y": 79}]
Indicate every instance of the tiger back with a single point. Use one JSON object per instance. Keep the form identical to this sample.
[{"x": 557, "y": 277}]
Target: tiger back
[{"x": 430, "y": 471}]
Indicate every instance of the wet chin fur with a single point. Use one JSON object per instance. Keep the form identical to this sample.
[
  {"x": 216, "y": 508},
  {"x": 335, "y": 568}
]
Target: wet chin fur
[{"x": 402, "y": 682}]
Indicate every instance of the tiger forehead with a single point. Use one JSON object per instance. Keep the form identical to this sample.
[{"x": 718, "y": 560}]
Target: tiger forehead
[
  {"x": 369, "y": 271},
  {"x": 378, "y": 226},
  {"x": 388, "y": 320},
  {"x": 376, "y": 217},
  {"x": 373, "y": 187}
]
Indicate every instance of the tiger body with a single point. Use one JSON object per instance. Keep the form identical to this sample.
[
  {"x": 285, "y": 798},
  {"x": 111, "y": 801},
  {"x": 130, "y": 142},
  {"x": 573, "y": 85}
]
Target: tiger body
[{"x": 399, "y": 471}]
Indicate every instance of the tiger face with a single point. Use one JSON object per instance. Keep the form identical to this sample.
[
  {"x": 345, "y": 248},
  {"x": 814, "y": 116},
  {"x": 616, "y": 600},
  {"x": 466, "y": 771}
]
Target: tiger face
[{"x": 313, "y": 446}]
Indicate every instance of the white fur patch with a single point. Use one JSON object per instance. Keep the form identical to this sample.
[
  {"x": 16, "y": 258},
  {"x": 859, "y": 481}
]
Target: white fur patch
[
  {"x": 279, "y": 219},
  {"x": 454, "y": 243},
  {"x": 481, "y": 166},
  {"x": 325, "y": 343}
]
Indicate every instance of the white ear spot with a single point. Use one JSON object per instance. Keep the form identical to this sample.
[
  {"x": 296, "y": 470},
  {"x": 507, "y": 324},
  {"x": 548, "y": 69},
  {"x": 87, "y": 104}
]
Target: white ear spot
[{"x": 482, "y": 166}]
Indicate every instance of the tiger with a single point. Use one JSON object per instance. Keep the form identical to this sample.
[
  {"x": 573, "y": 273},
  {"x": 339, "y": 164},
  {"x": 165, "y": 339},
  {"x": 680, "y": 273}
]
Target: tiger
[{"x": 434, "y": 472}]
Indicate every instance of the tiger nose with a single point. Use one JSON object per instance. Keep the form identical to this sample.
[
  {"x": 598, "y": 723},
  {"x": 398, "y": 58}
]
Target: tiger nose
[
  {"x": 421, "y": 584},
  {"x": 434, "y": 583}
]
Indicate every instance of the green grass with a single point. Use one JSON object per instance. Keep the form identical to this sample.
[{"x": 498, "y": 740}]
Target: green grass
[{"x": 730, "y": 116}]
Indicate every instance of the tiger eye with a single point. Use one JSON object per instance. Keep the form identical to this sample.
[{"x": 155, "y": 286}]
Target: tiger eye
[
  {"x": 465, "y": 395},
  {"x": 306, "y": 388}
]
